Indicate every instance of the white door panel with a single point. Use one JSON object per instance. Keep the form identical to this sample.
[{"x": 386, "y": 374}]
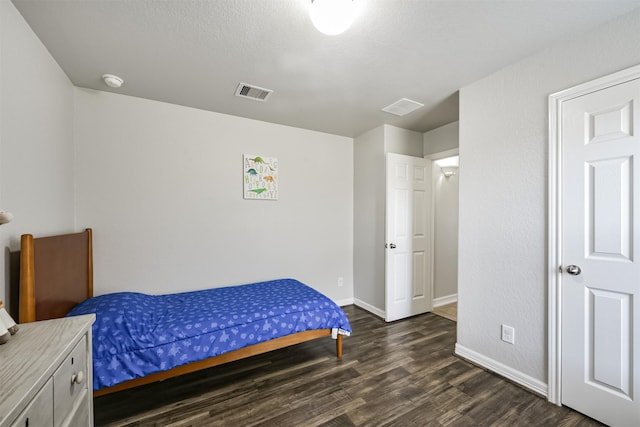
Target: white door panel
[
  {"x": 408, "y": 252},
  {"x": 601, "y": 305}
]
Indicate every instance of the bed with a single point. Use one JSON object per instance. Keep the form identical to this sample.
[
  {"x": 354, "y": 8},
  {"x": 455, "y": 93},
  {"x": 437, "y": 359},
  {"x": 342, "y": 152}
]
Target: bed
[{"x": 140, "y": 338}]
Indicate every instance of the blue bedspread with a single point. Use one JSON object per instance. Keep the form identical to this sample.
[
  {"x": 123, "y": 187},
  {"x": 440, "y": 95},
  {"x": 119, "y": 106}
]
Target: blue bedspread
[{"x": 137, "y": 334}]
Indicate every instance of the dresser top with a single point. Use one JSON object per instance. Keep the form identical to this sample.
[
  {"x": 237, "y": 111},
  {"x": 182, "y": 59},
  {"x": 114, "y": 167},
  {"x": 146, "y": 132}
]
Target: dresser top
[{"x": 31, "y": 356}]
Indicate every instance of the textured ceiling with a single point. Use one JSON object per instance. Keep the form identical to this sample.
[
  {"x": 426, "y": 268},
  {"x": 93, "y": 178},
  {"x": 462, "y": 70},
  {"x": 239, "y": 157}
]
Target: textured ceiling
[{"x": 195, "y": 52}]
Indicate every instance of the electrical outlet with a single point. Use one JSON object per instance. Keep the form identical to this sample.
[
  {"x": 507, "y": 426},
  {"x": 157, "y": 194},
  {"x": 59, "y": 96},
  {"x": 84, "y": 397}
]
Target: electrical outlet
[
  {"x": 340, "y": 282},
  {"x": 508, "y": 334}
]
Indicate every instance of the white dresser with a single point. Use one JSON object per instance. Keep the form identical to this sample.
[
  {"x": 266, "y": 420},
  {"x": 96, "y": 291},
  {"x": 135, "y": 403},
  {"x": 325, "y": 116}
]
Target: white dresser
[{"x": 46, "y": 374}]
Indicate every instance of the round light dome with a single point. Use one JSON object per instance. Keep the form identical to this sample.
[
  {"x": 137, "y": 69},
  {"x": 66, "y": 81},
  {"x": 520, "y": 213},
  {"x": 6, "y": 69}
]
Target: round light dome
[
  {"x": 112, "y": 80},
  {"x": 332, "y": 17}
]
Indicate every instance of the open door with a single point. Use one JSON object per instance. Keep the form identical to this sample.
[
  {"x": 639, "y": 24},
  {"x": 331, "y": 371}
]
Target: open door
[{"x": 408, "y": 240}]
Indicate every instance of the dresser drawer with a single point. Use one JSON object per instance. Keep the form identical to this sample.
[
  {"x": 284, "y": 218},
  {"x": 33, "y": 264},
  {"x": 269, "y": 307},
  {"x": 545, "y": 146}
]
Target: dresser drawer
[
  {"x": 38, "y": 413},
  {"x": 81, "y": 416},
  {"x": 69, "y": 382}
]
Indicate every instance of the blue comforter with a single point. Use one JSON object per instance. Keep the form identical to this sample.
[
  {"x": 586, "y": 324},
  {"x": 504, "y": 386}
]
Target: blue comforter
[{"x": 137, "y": 334}]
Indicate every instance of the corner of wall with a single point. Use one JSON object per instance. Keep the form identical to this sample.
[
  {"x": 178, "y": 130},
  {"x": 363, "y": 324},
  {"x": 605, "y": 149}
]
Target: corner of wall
[
  {"x": 368, "y": 227},
  {"x": 36, "y": 116}
]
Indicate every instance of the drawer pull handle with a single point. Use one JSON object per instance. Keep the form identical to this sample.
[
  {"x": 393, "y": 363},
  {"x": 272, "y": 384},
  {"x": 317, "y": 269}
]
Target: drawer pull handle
[{"x": 77, "y": 378}]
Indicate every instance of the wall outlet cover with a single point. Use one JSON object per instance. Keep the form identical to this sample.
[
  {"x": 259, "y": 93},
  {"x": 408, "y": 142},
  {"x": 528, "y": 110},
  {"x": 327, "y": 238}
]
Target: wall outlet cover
[{"x": 508, "y": 334}]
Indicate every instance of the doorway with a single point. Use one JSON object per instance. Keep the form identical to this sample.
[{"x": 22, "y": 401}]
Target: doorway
[{"x": 445, "y": 233}]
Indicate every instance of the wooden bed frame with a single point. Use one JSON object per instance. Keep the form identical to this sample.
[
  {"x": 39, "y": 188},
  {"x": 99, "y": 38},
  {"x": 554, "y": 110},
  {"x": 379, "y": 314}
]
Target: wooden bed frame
[{"x": 56, "y": 274}]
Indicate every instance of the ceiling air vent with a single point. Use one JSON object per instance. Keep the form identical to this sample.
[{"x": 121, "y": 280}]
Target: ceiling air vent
[
  {"x": 253, "y": 92},
  {"x": 402, "y": 107}
]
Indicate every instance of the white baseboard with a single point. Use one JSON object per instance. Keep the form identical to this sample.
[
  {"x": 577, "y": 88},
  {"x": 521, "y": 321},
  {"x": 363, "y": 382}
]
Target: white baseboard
[
  {"x": 344, "y": 302},
  {"x": 448, "y": 299},
  {"x": 518, "y": 377},
  {"x": 369, "y": 308}
]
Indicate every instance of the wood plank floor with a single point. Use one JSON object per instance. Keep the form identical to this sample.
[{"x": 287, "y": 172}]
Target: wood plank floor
[
  {"x": 448, "y": 311},
  {"x": 392, "y": 374}
]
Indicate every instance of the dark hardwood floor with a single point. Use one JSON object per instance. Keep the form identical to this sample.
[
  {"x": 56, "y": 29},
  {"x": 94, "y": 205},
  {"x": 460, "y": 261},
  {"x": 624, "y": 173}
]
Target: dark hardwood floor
[{"x": 392, "y": 374}]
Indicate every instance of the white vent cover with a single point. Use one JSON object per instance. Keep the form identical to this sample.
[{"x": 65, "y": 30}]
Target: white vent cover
[
  {"x": 402, "y": 107},
  {"x": 253, "y": 92}
]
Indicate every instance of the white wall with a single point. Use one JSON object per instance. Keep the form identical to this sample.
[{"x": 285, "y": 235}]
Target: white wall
[
  {"x": 36, "y": 139},
  {"x": 402, "y": 141},
  {"x": 441, "y": 139},
  {"x": 503, "y": 193},
  {"x": 369, "y": 219},
  {"x": 161, "y": 185}
]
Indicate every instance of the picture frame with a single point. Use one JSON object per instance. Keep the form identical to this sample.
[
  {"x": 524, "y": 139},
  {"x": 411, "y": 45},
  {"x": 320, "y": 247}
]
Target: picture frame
[{"x": 260, "y": 177}]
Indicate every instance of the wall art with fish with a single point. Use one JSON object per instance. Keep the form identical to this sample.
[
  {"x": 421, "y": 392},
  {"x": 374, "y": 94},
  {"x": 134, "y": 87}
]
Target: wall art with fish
[{"x": 260, "y": 177}]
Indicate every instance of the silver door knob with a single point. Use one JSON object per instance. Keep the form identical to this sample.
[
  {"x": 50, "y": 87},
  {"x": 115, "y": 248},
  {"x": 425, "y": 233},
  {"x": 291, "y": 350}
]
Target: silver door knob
[
  {"x": 573, "y": 270},
  {"x": 392, "y": 245}
]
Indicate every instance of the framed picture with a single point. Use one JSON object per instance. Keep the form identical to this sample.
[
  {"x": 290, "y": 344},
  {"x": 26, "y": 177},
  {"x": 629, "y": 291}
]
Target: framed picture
[{"x": 260, "y": 177}]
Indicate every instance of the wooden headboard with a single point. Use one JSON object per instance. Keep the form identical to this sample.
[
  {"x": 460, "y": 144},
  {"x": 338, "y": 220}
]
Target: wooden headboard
[{"x": 56, "y": 274}]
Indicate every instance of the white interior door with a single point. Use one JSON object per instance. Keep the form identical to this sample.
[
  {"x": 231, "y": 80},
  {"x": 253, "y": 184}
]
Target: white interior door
[
  {"x": 408, "y": 240},
  {"x": 600, "y": 242}
]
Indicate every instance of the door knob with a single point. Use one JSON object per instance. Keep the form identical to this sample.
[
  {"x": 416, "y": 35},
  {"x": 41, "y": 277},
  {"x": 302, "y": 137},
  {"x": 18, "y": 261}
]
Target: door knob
[
  {"x": 392, "y": 245},
  {"x": 77, "y": 378},
  {"x": 573, "y": 270}
]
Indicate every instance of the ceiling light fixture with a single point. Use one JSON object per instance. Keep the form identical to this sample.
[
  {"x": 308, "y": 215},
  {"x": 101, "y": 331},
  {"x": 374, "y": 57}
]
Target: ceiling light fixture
[
  {"x": 448, "y": 165},
  {"x": 332, "y": 17},
  {"x": 112, "y": 81}
]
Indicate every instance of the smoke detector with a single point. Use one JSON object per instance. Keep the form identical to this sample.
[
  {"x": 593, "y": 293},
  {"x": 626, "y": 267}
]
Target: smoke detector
[
  {"x": 253, "y": 92},
  {"x": 112, "y": 81},
  {"x": 402, "y": 107}
]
